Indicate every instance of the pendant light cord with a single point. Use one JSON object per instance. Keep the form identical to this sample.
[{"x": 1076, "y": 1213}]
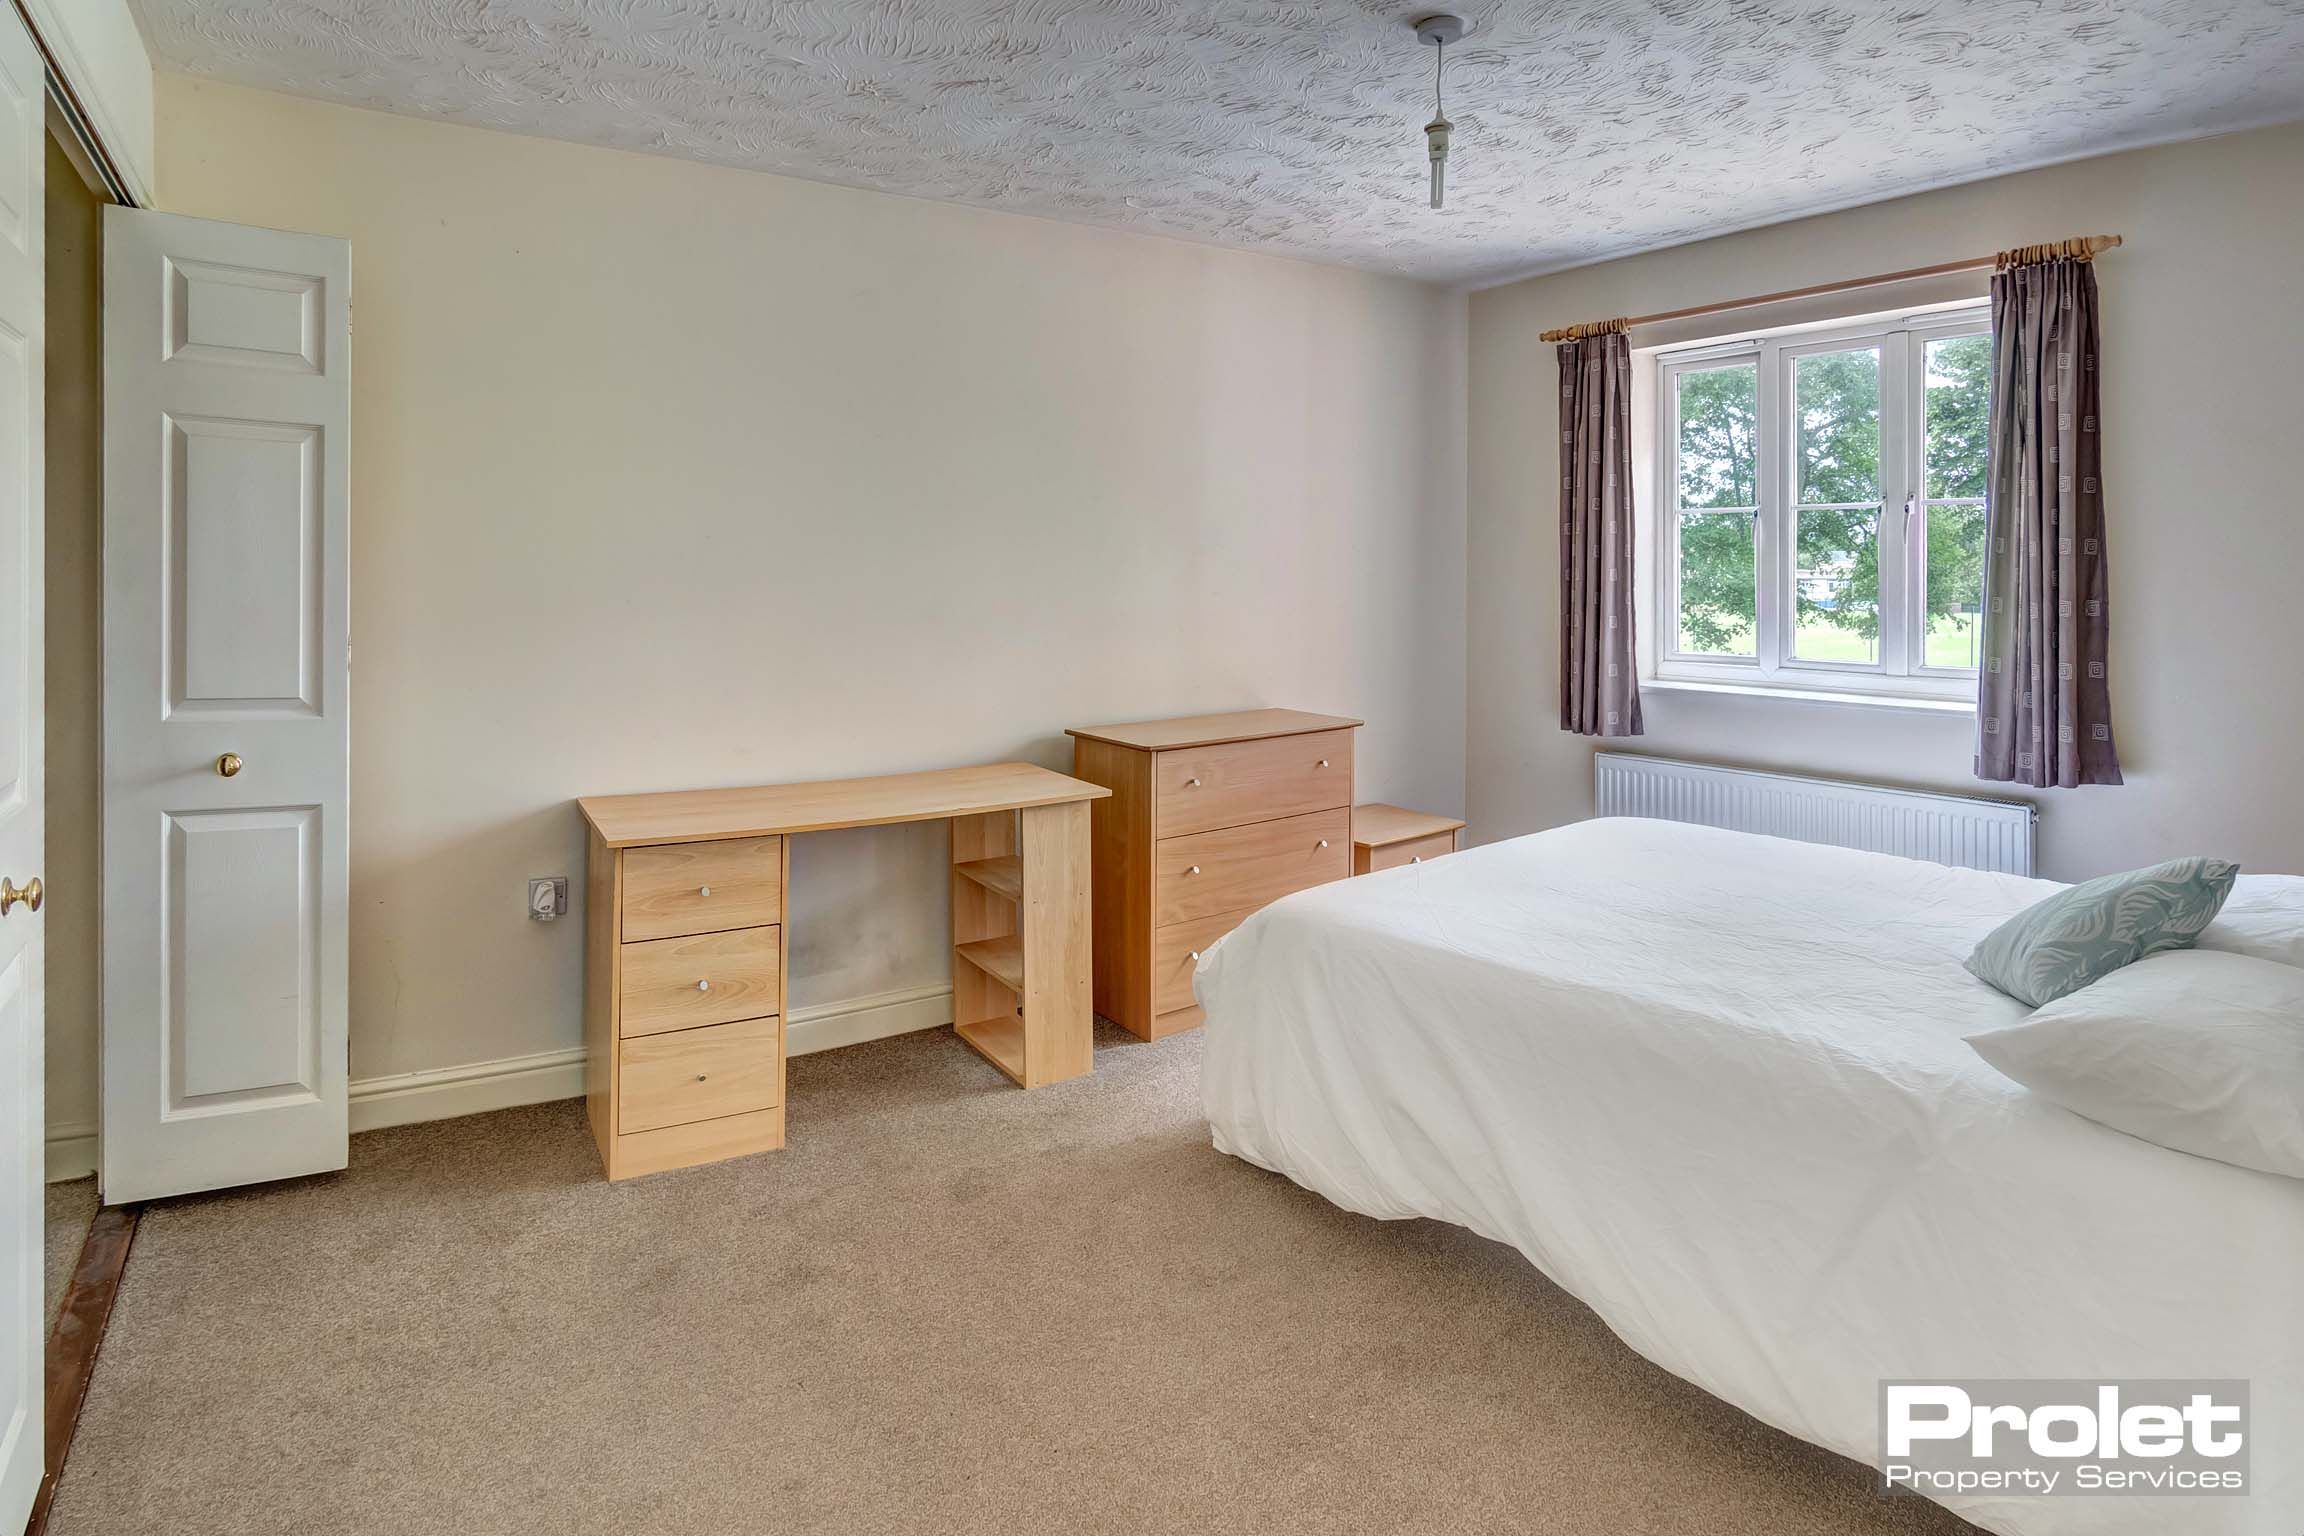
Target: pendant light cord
[{"x": 1439, "y": 57}]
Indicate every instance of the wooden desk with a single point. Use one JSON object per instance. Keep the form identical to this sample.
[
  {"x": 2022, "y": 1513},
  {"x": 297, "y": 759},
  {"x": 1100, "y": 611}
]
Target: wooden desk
[{"x": 685, "y": 947}]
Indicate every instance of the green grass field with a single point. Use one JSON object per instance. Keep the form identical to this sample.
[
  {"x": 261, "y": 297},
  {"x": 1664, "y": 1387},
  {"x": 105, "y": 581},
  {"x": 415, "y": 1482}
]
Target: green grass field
[{"x": 1952, "y": 642}]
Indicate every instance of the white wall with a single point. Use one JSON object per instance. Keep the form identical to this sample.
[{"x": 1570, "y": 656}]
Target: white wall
[
  {"x": 666, "y": 475},
  {"x": 2202, "y": 324}
]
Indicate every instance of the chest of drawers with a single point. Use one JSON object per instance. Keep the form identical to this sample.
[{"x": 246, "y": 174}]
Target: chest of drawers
[{"x": 1210, "y": 817}]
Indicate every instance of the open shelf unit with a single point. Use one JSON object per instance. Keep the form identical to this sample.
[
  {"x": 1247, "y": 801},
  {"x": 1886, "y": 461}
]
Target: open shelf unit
[
  {"x": 1020, "y": 942},
  {"x": 988, "y": 939}
]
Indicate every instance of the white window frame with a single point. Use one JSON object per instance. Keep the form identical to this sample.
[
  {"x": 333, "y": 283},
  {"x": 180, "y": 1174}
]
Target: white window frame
[{"x": 1900, "y": 670}]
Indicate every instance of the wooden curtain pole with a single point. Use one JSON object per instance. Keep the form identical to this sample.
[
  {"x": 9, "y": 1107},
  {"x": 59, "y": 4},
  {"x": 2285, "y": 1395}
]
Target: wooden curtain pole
[{"x": 2082, "y": 249}]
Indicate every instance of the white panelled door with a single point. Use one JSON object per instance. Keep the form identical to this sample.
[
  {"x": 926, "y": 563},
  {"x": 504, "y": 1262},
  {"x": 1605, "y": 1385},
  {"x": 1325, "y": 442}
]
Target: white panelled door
[
  {"x": 227, "y": 404},
  {"x": 23, "y": 313}
]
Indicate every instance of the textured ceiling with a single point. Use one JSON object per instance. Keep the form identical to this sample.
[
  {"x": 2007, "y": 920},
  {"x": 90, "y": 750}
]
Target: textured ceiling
[{"x": 1583, "y": 129}]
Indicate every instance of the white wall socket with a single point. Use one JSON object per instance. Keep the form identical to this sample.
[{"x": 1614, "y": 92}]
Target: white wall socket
[{"x": 548, "y": 898}]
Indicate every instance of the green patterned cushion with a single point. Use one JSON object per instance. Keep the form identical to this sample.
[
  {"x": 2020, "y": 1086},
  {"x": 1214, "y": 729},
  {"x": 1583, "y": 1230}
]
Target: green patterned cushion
[{"x": 2076, "y": 936}]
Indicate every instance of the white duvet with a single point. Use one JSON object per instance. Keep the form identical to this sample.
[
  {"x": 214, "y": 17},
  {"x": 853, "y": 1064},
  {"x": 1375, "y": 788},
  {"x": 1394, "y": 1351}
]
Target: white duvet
[{"x": 1715, "y": 1085}]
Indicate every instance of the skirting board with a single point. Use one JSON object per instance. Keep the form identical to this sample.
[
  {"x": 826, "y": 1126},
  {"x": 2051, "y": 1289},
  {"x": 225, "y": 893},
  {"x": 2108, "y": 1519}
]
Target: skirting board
[
  {"x": 71, "y": 1152},
  {"x": 407, "y": 1097},
  {"x": 484, "y": 1085}
]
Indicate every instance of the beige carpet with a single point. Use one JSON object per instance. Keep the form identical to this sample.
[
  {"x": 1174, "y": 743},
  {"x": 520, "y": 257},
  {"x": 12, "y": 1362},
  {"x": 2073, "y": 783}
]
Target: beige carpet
[
  {"x": 71, "y": 1206},
  {"x": 949, "y": 1307}
]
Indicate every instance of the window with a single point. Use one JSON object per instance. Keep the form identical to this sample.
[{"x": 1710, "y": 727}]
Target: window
[{"x": 1821, "y": 508}]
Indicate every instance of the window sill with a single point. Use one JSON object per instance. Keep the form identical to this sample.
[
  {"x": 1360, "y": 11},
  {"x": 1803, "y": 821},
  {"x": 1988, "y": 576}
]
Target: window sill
[{"x": 1913, "y": 703}]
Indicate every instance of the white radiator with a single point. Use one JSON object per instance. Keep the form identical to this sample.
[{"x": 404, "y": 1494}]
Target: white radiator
[{"x": 1948, "y": 829}]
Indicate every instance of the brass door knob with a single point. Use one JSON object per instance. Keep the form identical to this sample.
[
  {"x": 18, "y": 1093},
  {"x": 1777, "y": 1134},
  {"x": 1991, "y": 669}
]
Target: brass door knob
[
  {"x": 30, "y": 895},
  {"x": 229, "y": 764}
]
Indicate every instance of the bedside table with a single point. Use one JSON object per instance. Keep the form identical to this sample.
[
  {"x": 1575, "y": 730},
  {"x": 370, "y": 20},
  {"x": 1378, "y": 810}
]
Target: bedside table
[{"x": 1387, "y": 835}]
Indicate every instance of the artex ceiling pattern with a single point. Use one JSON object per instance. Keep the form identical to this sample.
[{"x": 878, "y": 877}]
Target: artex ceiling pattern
[{"x": 1584, "y": 129}]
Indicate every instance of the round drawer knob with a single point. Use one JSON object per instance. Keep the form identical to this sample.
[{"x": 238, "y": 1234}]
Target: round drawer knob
[
  {"x": 1195, "y": 954},
  {"x": 1195, "y": 869},
  {"x": 703, "y": 986},
  {"x": 1323, "y": 842},
  {"x": 703, "y": 890},
  {"x": 1191, "y": 783},
  {"x": 701, "y": 1076},
  {"x": 1323, "y": 762},
  {"x": 1415, "y": 858}
]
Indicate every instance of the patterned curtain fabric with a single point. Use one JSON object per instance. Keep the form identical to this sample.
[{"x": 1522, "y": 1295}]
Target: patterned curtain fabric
[
  {"x": 1599, "y": 680},
  {"x": 2044, "y": 708}
]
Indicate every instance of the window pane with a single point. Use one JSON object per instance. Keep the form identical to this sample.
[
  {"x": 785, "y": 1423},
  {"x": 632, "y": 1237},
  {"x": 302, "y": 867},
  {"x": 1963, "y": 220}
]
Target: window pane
[
  {"x": 1719, "y": 436},
  {"x": 1959, "y": 411},
  {"x": 1718, "y": 598},
  {"x": 1955, "y": 586},
  {"x": 1836, "y": 409},
  {"x": 1838, "y": 582}
]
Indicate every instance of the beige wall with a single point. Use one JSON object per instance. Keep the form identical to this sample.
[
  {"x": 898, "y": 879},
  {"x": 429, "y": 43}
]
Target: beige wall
[
  {"x": 666, "y": 475},
  {"x": 74, "y": 642},
  {"x": 2202, "y": 318}
]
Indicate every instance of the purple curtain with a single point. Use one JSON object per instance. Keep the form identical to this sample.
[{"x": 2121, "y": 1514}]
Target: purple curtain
[
  {"x": 1599, "y": 679},
  {"x": 2044, "y": 708}
]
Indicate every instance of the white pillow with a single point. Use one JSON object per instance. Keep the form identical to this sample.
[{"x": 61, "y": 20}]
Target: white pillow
[
  {"x": 2195, "y": 1050},
  {"x": 2264, "y": 917}
]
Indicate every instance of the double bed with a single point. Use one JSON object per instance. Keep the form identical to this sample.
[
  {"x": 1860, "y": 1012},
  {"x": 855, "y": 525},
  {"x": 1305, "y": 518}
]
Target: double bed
[{"x": 1715, "y": 1085}]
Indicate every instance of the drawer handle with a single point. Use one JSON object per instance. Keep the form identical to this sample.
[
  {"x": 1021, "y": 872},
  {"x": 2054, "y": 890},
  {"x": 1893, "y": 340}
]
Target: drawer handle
[
  {"x": 701, "y": 1076},
  {"x": 1195, "y": 869},
  {"x": 1323, "y": 842},
  {"x": 1415, "y": 858},
  {"x": 1191, "y": 783},
  {"x": 703, "y": 890},
  {"x": 1195, "y": 954},
  {"x": 703, "y": 986},
  {"x": 1323, "y": 762}
]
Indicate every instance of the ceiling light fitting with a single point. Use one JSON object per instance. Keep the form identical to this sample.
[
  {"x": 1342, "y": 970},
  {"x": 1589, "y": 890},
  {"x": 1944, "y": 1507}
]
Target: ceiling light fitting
[{"x": 1437, "y": 32}]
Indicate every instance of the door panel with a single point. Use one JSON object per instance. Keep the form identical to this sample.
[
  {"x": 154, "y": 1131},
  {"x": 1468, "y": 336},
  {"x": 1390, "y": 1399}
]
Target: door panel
[
  {"x": 226, "y": 523},
  {"x": 245, "y": 317},
  {"x": 22, "y": 1368},
  {"x": 243, "y": 1013},
  {"x": 244, "y": 567},
  {"x": 22, "y": 514},
  {"x": 19, "y": 570}
]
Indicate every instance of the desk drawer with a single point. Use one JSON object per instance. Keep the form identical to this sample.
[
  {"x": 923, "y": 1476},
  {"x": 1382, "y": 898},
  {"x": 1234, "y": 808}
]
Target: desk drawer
[
  {"x": 1201, "y": 788},
  {"x": 698, "y": 1074},
  {"x": 1242, "y": 868},
  {"x": 710, "y": 978},
  {"x": 677, "y": 888}
]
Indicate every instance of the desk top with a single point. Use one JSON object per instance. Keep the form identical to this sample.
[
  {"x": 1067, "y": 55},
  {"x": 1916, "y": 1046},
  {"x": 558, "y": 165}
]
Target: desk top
[
  {"x": 1208, "y": 730},
  {"x": 705, "y": 815}
]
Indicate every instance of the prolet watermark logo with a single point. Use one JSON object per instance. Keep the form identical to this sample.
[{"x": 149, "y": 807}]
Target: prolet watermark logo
[{"x": 2064, "y": 1438}]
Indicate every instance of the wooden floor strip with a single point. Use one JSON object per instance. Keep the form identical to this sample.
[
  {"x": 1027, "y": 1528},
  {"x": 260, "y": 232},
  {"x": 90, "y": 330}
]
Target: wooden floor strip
[{"x": 78, "y": 1335}]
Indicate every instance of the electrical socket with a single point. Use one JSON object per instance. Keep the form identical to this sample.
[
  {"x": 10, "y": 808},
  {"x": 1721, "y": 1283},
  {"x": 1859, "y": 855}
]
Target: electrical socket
[{"x": 548, "y": 898}]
